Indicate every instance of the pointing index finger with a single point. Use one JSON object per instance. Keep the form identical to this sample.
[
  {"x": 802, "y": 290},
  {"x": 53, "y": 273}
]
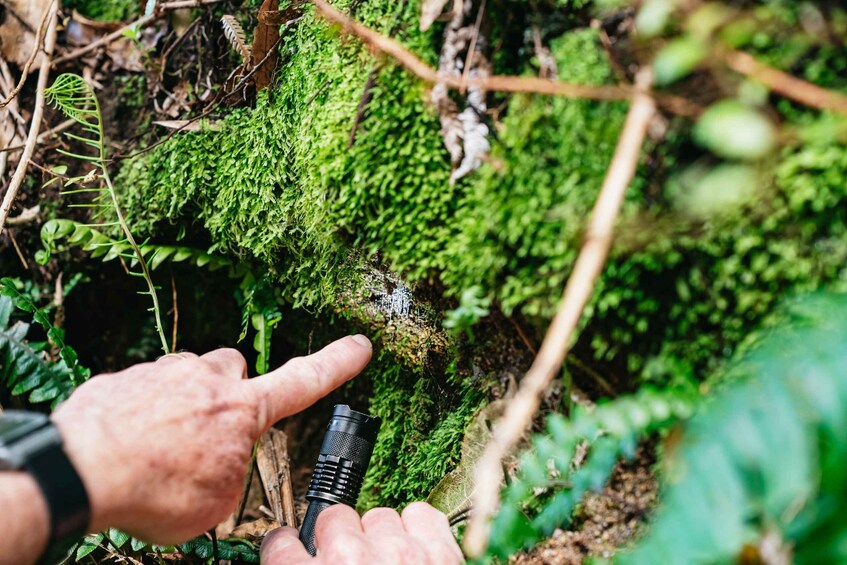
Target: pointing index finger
[{"x": 303, "y": 380}]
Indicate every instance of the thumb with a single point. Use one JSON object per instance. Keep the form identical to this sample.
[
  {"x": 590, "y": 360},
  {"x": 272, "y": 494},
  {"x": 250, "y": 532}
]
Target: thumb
[
  {"x": 283, "y": 546},
  {"x": 303, "y": 380}
]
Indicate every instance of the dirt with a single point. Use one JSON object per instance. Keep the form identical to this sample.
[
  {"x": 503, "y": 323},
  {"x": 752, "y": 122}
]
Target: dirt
[{"x": 607, "y": 520}]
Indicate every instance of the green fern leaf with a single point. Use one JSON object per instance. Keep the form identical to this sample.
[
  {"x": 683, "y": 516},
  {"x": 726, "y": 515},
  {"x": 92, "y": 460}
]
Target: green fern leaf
[
  {"x": 24, "y": 368},
  {"x": 76, "y": 99}
]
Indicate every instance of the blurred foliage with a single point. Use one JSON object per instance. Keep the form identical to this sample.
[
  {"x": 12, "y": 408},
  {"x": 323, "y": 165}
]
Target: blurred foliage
[
  {"x": 106, "y": 10},
  {"x": 761, "y": 470}
]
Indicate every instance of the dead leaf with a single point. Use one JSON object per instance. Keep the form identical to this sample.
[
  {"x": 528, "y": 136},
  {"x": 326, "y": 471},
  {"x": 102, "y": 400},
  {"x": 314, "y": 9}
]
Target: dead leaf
[
  {"x": 430, "y": 11},
  {"x": 255, "y": 530},
  {"x": 18, "y": 30},
  {"x": 453, "y": 494}
]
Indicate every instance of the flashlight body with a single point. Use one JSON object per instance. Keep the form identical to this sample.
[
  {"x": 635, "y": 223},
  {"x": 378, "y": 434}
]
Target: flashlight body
[{"x": 343, "y": 461}]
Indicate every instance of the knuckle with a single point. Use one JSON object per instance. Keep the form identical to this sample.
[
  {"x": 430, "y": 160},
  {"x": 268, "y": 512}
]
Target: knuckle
[
  {"x": 419, "y": 510},
  {"x": 346, "y": 547},
  {"x": 377, "y": 515}
]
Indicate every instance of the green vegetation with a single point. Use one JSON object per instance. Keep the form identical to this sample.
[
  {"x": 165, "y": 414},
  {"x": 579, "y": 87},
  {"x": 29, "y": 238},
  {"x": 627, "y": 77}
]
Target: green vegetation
[
  {"x": 105, "y": 10},
  {"x": 423, "y": 422},
  {"x": 331, "y": 190},
  {"x": 760, "y": 470}
]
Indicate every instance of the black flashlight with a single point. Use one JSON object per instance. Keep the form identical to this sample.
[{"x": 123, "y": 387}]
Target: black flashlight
[{"x": 345, "y": 454}]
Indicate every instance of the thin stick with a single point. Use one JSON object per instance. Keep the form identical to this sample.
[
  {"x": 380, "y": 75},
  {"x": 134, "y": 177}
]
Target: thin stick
[
  {"x": 17, "y": 249},
  {"x": 789, "y": 86},
  {"x": 140, "y": 22},
  {"x": 105, "y": 40},
  {"x": 176, "y": 314},
  {"x": 25, "y": 217},
  {"x": 35, "y": 49},
  {"x": 580, "y": 286},
  {"x": 502, "y": 83},
  {"x": 37, "y": 113},
  {"x": 42, "y": 136}
]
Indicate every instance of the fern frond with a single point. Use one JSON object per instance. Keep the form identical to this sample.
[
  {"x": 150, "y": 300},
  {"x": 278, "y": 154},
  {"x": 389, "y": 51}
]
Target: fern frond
[
  {"x": 612, "y": 430},
  {"x": 77, "y": 100},
  {"x": 235, "y": 34},
  {"x": 79, "y": 374},
  {"x": 24, "y": 367},
  {"x": 107, "y": 249}
]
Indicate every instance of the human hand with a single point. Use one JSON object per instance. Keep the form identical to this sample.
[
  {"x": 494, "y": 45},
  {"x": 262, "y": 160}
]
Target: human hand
[
  {"x": 163, "y": 447},
  {"x": 421, "y": 536}
]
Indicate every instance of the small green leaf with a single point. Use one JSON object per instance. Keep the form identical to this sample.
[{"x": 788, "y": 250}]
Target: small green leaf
[
  {"x": 678, "y": 58},
  {"x": 117, "y": 537},
  {"x": 653, "y": 17},
  {"x": 721, "y": 189},
  {"x": 736, "y": 131}
]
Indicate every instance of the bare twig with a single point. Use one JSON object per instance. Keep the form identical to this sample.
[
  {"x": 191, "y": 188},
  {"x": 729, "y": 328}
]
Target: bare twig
[
  {"x": 176, "y": 314},
  {"x": 105, "y": 40},
  {"x": 472, "y": 49},
  {"x": 365, "y": 99},
  {"x": 6, "y": 85},
  {"x": 37, "y": 113},
  {"x": 35, "y": 50},
  {"x": 17, "y": 248},
  {"x": 791, "y": 87},
  {"x": 580, "y": 286},
  {"x": 25, "y": 217},
  {"x": 181, "y": 4},
  {"x": 140, "y": 22},
  {"x": 502, "y": 83}
]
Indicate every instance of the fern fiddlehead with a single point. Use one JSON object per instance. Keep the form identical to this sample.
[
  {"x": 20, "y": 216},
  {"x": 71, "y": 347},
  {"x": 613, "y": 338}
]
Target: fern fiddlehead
[{"x": 76, "y": 99}]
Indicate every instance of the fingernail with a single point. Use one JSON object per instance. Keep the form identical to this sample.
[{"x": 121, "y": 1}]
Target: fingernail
[{"x": 362, "y": 340}]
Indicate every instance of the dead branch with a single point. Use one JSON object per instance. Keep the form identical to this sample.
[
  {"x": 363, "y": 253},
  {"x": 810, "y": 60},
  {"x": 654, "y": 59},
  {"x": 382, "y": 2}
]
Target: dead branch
[
  {"x": 105, "y": 40},
  {"x": 37, "y": 113},
  {"x": 272, "y": 461},
  {"x": 501, "y": 83},
  {"x": 6, "y": 85},
  {"x": 35, "y": 50},
  {"x": 789, "y": 86},
  {"x": 589, "y": 264},
  {"x": 140, "y": 22}
]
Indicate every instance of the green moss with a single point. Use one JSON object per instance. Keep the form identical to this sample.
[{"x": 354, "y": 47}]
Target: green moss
[
  {"x": 520, "y": 223},
  {"x": 105, "y": 10},
  {"x": 422, "y": 429}
]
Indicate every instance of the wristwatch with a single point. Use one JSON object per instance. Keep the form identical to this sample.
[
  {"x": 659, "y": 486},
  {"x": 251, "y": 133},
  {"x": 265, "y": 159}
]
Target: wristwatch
[{"x": 30, "y": 442}]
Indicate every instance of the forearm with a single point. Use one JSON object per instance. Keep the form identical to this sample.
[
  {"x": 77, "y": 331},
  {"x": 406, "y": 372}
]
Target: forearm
[{"x": 24, "y": 519}]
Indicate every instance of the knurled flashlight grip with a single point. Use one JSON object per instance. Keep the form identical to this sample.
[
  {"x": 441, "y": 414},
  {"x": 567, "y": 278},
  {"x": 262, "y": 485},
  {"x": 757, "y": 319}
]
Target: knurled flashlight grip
[{"x": 343, "y": 461}]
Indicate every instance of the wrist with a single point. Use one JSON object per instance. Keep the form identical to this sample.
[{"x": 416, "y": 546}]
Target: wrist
[
  {"x": 90, "y": 472},
  {"x": 30, "y": 528}
]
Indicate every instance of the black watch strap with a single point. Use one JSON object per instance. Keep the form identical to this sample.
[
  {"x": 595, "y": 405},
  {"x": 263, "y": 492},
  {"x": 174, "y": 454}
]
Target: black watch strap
[{"x": 66, "y": 497}]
